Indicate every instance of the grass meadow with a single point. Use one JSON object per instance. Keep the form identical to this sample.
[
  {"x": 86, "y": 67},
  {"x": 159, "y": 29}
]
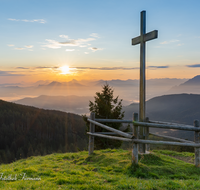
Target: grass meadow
[{"x": 105, "y": 169}]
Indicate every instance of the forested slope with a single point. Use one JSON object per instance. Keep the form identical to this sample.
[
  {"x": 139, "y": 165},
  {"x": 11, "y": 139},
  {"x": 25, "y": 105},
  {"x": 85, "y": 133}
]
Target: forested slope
[{"x": 26, "y": 131}]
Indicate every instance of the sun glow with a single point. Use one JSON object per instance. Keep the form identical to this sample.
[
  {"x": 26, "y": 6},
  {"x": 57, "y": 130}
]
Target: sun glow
[{"x": 65, "y": 70}]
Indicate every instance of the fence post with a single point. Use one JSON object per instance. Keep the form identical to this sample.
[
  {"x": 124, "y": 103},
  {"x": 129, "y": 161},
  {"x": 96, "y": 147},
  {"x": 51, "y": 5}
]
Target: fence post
[
  {"x": 91, "y": 138},
  {"x": 135, "y": 145},
  {"x": 141, "y": 135},
  {"x": 197, "y": 140},
  {"x": 147, "y": 135}
]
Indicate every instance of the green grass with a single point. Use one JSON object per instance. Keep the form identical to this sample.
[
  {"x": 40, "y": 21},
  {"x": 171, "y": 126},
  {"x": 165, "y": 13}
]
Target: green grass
[{"x": 105, "y": 169}]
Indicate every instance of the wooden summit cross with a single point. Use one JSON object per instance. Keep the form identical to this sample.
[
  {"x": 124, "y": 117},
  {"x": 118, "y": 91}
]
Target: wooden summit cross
[{"x": 144, "y": 37}]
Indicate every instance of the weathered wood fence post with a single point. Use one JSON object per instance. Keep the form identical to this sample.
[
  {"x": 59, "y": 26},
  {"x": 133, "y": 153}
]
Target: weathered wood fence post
[
  {"x": 135, "y": 145},
  {"x": 197, "y": 140},
  {"x": 92, "y": 130},
  {"x": 147, "y": 135}
]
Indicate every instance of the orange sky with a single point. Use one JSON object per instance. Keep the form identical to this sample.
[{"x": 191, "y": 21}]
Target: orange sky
[{"x": 28, "y": 75}]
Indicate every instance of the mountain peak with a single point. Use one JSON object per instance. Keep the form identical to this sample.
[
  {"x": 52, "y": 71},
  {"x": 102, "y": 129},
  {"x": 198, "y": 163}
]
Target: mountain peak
[
  {"x": 194, "y": 81},
  {"x": 55, "y": 83}
]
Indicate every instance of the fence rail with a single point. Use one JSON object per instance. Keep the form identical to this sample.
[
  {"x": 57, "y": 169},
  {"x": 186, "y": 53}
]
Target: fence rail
[
  {"x": 165, "y": 126},
  {"x": 173, "y": 138},
  {"x": 137, "y": 140},
  {"x": 145, "y": 141},
  {"x": 111, "y": 129},
  {"x": 169, "y": 123},
  {"x": 165, "y": 143},
  {"x": 113, "y": 121},
  {"x": 154, "y": 134},
  {"x": 110, "y": 137}
]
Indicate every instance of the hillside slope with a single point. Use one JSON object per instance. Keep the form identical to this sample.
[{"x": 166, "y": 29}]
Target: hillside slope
[
  {"x": 72, "y": 104},
  {"x": 176, "y": 108},
  {"x": 105, "y": 169},
  {"x": 182, "y": 108},
  {"x": 190, "y": 86},
  {"x": 27, "y": 131}
]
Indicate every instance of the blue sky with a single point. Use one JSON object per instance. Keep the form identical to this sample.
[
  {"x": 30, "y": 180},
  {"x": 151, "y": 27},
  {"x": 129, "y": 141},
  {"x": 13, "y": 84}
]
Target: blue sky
[{"x": 38, "y": 37}]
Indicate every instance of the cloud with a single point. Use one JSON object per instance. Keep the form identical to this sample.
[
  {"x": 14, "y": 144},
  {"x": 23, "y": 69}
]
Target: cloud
[
  {"x": 52, "y": 44},
  {"x": 158, "y": 67},
  {"x": 12, "y": 19},
  {"x": 19, "y": 48},
  {"x": 71, "y": 42},
  {"x": 25, "y": 20},
  {"x": 6, "y": 73},
  {"x": 169, "y": 42},
  {"x": 107, "y": 68},
  {"x": 29, "y": 46},
  {"x": 76, "y": 42},
  {"x": 94, "y": 49},
  {"x": 195, "y": 65},
  {"x": 45, "y": 67},
  {"x": 38, "y": 67},
  {"x": 22, "y": 68},
  {"x": 95, "y": 35},
  {"x": 70, "y": 50},
  {"x": 64, "y": 36}
]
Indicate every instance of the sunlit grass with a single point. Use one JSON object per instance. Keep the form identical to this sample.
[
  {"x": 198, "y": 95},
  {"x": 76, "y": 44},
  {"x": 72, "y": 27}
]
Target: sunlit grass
[{"x": 105, "y": 169}]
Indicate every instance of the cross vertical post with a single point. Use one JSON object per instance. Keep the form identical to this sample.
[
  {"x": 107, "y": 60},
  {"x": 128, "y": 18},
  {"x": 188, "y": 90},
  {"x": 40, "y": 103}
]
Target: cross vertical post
[
  {"x": 142, "y": 79},
  {"x": 142, "y": 67},
  {"x": 142, "y": 40}
]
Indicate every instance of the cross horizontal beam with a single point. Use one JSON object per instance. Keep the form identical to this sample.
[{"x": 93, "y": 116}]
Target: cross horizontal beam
[{"x": 148, "y": 36}]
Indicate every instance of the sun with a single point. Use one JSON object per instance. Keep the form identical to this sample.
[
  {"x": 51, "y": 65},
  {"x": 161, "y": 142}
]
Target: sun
[{"x": 65, "y": 69}]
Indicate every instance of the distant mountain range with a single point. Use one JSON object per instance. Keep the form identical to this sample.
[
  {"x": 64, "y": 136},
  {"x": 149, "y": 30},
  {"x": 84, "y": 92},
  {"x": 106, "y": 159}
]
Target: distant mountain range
[
  {"x": 193, "y": 81},
  {"x": 176, "y": 108},
  {"x": 90, "y": 83},
  {"x": 72, "y": 104},
  {"x": 73, "y": 83},
  {"x": 125, "y": 89},
  {"x": 128, "y": 90},
  {"x": 190, "y": 86}
]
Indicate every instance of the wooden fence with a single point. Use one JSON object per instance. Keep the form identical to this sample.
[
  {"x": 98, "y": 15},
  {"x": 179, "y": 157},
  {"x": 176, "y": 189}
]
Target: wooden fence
[{"x": 138, "y": 138}]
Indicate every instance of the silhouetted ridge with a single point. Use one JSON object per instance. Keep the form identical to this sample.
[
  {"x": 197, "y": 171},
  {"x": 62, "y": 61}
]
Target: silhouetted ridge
[
  {"x": 193, "y": 81},
  {"x": 176, "y": 108}
]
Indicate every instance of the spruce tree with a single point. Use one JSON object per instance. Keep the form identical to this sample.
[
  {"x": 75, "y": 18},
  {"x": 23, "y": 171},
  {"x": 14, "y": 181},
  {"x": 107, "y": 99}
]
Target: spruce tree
[{"x": 105, "y": 106}]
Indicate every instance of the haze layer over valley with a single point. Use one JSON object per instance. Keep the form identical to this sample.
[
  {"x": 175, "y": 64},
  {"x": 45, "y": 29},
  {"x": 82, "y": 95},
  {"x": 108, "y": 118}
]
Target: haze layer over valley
[{"x": 128, "y": 90}]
